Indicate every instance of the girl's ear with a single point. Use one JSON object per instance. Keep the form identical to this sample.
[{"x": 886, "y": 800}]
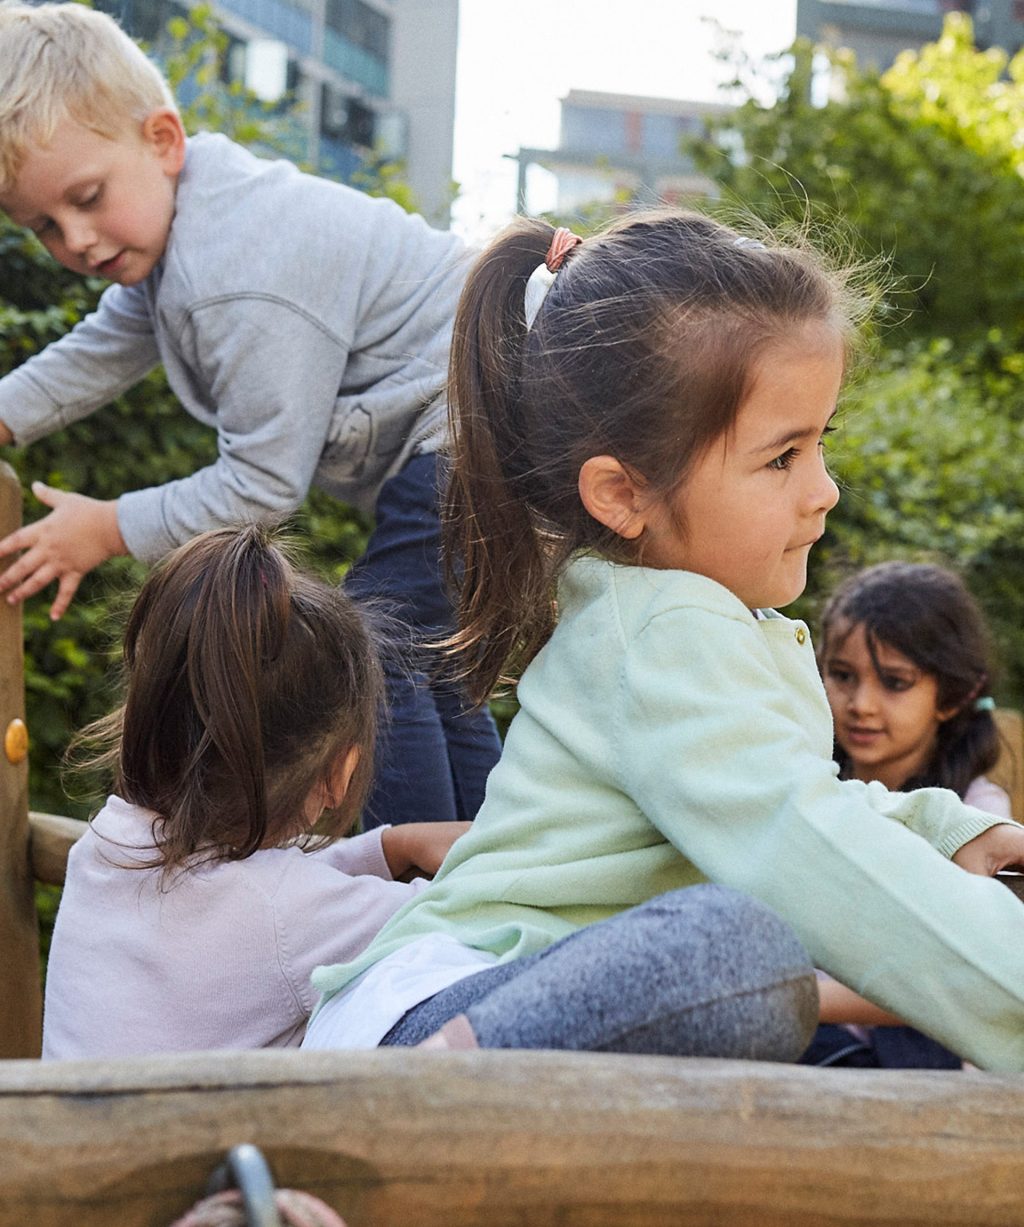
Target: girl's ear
[
  {"x": 341, "y": 776},
  {"x": 612, "y": 496},
  {"x": 330, "y": 792},
  {"x": 164, "y": 132}
]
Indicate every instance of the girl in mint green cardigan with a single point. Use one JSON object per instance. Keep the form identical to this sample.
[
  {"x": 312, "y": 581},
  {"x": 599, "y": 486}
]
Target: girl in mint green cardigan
[{"x": 638, "y": 480}]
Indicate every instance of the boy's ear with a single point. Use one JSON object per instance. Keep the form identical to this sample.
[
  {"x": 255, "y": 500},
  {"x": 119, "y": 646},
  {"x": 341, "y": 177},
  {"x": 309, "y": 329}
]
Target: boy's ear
[
  {"x": 613, "y": 496},
  {"x": 164, "y": 132}
]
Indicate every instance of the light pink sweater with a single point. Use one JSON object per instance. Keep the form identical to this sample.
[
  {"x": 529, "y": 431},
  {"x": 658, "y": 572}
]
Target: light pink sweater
[{"x": 218, "y": 957}]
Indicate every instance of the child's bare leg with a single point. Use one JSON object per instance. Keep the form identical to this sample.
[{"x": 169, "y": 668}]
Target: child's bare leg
[{"x": 457, "y": 1032}]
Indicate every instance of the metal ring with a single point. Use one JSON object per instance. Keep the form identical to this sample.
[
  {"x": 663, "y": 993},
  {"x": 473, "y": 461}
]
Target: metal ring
[{"x": 246, "y": 1169}]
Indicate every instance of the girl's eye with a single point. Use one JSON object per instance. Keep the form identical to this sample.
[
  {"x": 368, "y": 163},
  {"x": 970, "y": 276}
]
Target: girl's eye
[
  {"x": 781, "y": 463},
  {"x": 92, "y": 198},
  {"x": 827, "y": 431},
  {"x": 841, "y": 677},
  {"x": 897, "y": 684},
  {"x": 44, "y": 227}
]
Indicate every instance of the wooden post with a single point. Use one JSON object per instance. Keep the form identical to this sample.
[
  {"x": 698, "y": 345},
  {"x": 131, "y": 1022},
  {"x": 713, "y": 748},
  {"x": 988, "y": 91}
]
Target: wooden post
[{"x": 21, "y": 1012}]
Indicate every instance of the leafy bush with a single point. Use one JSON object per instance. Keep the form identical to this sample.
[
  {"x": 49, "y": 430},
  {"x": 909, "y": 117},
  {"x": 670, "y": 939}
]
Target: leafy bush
[
  {"x": 927, "y": 456},
  {"x": 923, "y": 164}
]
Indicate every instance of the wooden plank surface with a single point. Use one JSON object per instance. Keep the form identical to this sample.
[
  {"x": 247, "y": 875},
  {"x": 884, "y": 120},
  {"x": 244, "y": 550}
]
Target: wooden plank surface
[
  {"x": 503, "y": 1139},
  {"x": 20, "y": 999},
  {"x": 51, "y": 838}
]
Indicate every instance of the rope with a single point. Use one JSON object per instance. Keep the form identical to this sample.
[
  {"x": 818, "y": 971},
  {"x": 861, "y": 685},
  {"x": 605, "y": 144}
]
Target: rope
[{"x": 226, "y": 1209}]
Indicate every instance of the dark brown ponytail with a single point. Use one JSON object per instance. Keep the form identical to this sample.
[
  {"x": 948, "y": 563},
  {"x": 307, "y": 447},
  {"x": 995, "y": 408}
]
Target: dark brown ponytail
[
  {"x": 505, "y": 568},
  {"x": 245, "y": 681}
]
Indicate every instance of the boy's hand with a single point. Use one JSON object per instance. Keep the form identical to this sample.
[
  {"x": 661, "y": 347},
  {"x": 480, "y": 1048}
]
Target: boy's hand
[
  {"x": 1000, "y": 847},
  {"x": 416, "y": 849},
  {"x": 77, "y": 535}
]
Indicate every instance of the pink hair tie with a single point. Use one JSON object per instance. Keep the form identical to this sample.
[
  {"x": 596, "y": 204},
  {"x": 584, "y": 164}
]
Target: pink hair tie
[
  {"x": 562, "y": 242},
  {"x": 543, "y": 276}
]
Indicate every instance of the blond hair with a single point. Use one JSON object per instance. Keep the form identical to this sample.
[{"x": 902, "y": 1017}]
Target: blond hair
[{"x": 60, "y": 61}]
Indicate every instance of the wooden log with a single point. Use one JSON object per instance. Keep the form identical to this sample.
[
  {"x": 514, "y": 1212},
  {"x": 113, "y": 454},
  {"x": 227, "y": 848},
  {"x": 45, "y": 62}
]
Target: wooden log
[
  {"x": 51, "y": 838},
  {"x": 21, "y": 1009},
  {"x": 506, "y": 1139}
]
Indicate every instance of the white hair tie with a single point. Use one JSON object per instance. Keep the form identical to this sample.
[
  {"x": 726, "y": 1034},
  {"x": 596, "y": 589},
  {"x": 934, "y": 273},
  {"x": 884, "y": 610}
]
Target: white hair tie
[
  {"x": 543, "y": 276},
  {"x": 541, "y": 280}
]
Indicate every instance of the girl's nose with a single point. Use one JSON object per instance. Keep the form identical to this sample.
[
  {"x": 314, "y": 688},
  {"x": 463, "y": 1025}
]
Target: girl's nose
[
  {"x": 862, "y": 697},
  {"x": 826, "y": 492}
]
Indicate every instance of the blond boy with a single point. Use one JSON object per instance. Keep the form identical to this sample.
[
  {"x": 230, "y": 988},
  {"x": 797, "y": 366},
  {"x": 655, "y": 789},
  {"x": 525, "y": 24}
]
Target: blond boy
[{"x": 305, "y": 322}]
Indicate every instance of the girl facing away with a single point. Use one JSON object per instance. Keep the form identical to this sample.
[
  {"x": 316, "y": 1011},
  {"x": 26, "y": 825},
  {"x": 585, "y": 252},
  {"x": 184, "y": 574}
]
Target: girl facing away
[
  {"x": 906, "y": 661},
  {"x": 638, "y": 480},
  {"x": 196, "y": 904}
]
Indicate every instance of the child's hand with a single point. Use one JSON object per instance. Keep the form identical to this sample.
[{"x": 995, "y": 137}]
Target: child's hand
[
  {"x": 839, "y": 1004},
  {"x": 1000, "y": 847},
  {"x": 416, "y": 849},
  {"x": 77, "y": 535}
]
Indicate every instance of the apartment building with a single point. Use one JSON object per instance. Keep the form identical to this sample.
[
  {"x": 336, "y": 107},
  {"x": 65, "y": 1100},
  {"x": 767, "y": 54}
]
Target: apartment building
[
  {"x": 619, "y": 147},
  {"x": 375, "y": 78},
  {"x": 878, "y": 30}
]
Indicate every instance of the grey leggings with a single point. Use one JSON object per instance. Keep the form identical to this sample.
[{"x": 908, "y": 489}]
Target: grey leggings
[{"x": 702, "y": 971}]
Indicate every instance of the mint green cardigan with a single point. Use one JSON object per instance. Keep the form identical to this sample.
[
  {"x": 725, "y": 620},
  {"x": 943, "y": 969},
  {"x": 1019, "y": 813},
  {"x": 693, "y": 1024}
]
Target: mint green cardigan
[{"x": 667, "y": 737}]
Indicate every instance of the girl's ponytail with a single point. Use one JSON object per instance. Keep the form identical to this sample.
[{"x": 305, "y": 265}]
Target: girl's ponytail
[
  {"x": 246, "y": 682},
  {"x": 499, "y": 560},
  {"x": 967, "y": 745}
]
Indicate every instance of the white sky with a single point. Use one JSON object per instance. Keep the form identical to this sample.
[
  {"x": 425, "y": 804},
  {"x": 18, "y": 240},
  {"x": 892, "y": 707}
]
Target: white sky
[{"x": 518, "y": 58}]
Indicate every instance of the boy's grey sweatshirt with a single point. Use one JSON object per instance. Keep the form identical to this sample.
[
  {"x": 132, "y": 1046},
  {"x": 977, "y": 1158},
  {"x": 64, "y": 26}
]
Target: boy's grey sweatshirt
[{"x": 305, "y": 321}]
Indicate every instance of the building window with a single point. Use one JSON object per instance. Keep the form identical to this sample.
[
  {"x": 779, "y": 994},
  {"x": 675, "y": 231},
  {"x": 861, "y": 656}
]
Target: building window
[
  {"x": 346, "y": 119},
  {"x": 145, "y": 19},
  {"x": 360, "y": 24}
]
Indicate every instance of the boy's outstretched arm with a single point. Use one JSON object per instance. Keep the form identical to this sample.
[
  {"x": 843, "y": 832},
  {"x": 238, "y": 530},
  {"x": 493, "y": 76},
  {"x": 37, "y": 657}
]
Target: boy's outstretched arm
[{"x": 77, "y": 535}]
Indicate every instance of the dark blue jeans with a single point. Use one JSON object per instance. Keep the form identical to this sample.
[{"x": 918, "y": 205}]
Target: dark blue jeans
[
  {"x": 885, "y": 1048},
  {"x": 434, "y": 753}
]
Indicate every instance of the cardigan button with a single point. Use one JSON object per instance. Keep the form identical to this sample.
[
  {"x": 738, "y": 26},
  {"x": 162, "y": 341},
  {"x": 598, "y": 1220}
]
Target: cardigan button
[{"x": 801, "y": 635}]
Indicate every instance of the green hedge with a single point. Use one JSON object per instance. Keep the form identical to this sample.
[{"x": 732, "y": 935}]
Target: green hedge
[{"x": 928, "y": 458}]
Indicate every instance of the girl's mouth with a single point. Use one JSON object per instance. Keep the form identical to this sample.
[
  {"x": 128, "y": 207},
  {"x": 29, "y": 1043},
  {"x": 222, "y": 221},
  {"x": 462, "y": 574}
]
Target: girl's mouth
[{"x": 861, "y": 736}]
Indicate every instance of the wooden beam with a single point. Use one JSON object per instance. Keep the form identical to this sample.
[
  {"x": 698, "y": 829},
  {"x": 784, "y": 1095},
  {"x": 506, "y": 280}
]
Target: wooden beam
[
  {"x": 503, "y": 1139},
  {"x": 20, "y": 997},
  {"x": 51, "y": 838}
]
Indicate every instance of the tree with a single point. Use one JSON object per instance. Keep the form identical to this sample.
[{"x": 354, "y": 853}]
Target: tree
[{"x": 922, "y": 163}]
